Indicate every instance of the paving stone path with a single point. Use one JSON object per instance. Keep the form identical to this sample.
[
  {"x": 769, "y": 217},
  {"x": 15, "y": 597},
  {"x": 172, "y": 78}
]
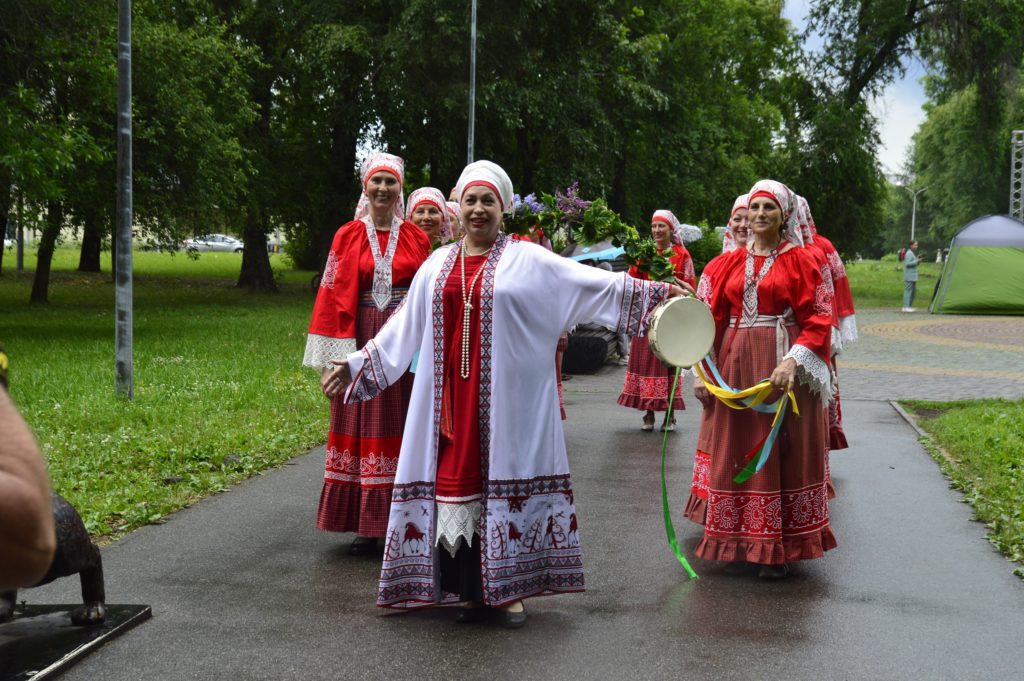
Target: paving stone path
[{"x": 941, "y": 357}]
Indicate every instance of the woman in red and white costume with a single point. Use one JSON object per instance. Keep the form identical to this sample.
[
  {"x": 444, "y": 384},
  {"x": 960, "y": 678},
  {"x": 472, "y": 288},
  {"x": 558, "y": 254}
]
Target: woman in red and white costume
[
  {"x": 455, "y": 213},
  {"x": 483, "y": 508},
  {"x": 428, "y": 210},
  {"x": 737, "y": 229},
  {"x": 773, "y": 316},
  {"x": 844, "y": 332},
  {"x": 736, "y": 232},
  {"x": 369, "y": 268},
  {"x": 648, "y": 381}
]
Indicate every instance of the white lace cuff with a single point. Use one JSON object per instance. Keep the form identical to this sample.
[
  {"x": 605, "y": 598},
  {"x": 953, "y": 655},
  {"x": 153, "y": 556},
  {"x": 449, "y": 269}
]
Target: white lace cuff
[
  {"x": 837, "y": 342},
  {"x": 320, "y": 350},
  {"x": 455, "y": 523},
  {"x": 848, "y": 329},
  {"x": 812, "y": 371}
]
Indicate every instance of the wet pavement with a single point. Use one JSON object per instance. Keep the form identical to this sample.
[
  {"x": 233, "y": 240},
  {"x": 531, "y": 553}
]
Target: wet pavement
[{"x": 243, "y": 587}]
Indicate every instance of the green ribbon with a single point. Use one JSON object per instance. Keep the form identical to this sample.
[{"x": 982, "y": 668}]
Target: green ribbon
[{"x": 670, "y": 531}]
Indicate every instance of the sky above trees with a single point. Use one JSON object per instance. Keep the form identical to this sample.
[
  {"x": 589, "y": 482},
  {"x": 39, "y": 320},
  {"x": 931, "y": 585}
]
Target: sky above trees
[{"x": 898, "y": 108}]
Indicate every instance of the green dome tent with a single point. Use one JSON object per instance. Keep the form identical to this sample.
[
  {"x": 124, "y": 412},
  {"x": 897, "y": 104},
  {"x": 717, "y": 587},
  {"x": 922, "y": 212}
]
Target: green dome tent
[{"x": 984, "y": 273}]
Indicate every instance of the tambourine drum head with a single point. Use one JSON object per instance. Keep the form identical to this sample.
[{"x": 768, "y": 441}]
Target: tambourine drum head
[{"x": 681, "y": 331}]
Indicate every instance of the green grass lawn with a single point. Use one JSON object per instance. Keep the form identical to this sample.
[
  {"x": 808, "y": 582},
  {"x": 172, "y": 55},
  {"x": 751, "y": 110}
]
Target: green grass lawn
[
  {"x": 981, "y": 449},
  {"x": 880, "y": 284},
  {"x": 219, "y": 390}
]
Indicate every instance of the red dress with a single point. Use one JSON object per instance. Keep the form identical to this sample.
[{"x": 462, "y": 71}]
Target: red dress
[
  {"x": 781, "y": 513},
  {"x": 648, "y": 381},
  {"x": 365, "y": 437}
]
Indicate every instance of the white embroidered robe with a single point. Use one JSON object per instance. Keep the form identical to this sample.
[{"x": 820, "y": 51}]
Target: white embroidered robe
[{"x": 528, "y": 528}]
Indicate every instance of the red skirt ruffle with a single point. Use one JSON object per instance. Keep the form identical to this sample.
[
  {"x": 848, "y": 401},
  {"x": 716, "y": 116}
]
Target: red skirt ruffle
[{"x": 648, "y": 381}]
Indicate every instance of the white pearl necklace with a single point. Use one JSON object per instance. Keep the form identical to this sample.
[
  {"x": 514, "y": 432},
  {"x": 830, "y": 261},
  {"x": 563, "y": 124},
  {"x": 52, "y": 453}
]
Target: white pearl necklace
[{"x": 467, "y": 306}]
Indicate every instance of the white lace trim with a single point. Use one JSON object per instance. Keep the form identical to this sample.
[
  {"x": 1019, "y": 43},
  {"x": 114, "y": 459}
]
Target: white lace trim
[
  {"x": 812, "y": 371},
  {"x": 320, "y": 350},
  {"x": 456, "y": 523},
  {"x": 848, "y": 329},
  {"x": 837, "y": 342}
]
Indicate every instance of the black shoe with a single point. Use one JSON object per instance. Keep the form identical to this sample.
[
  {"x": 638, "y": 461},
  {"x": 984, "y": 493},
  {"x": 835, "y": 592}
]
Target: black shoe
[
  {"x": 362, "y": 546},
  {"x": 736, "y": 568},
  {"x": 512, "y": 620},
  {"x": 468, "y": 614},
  {"x": 772, "y": 572}
]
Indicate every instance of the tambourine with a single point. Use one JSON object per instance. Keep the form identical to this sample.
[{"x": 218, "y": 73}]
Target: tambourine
[{"x": 681, "y": 331}]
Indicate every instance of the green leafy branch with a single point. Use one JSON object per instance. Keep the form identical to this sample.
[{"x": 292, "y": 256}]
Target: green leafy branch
[{"x": 589, "y": 223}]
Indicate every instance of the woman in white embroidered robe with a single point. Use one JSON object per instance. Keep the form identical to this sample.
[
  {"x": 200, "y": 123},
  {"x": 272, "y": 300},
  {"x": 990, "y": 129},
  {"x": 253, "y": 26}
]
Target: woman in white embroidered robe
[{"x": 518, "y": 525}]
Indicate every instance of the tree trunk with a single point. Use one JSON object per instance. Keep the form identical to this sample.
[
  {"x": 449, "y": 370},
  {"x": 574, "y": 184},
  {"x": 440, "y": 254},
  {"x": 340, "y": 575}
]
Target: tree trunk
[
  {"x": 92, "y": 243},
  {"x": 41, "y": 282},
  {"x": 3, "y": 232},
  {"x": 256, "y": 273},
  {"x": 527, "y": 161},
  {"x": 342, "y": 188},
  {"x": 617, "y": 197},
  {"x": 5, "y": 213}
]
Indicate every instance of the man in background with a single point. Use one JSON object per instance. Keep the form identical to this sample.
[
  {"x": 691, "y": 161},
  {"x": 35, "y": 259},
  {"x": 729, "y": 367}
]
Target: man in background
[{"x": 910, "y": 277}]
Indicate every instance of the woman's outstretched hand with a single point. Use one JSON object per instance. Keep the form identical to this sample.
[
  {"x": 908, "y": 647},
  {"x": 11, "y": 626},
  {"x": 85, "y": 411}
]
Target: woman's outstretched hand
[
  {"x": 335, "y": 379},
  {"x": 680, "y": 288}
]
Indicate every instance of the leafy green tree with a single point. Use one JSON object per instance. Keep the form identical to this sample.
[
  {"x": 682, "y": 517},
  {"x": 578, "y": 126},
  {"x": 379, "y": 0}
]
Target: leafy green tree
[
  {"x": 48, "y": 58},
  {"x": 324, "y": 110},
  {"x": 191, "y": 106}
]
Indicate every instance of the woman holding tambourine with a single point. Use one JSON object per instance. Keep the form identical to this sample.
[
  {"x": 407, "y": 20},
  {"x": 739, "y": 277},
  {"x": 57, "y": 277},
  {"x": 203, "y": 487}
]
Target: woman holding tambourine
[
  {"x": 773, "y": 316},
  {"x": 648, "y": 380}
]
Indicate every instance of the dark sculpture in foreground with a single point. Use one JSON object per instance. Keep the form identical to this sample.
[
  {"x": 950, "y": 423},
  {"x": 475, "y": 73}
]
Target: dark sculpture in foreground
[{"x": 76, "y": 554}]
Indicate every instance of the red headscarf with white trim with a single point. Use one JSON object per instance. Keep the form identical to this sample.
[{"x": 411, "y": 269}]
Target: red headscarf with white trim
[
  {"x": 785, "y": 199},
  {"x": 729, "y": 241},
  {"x": 375, "y": 163}
]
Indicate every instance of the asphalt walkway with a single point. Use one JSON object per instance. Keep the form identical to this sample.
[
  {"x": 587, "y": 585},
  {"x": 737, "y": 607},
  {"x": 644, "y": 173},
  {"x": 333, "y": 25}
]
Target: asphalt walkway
[{"x": 243, "y": 587}]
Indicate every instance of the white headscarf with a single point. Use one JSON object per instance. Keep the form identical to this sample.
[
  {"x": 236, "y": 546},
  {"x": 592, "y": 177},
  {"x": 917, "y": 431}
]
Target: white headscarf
[
  {"x": 681, "y": 233},
  {"x": 729, "y": 241},
  {"x": 455, "y": 212},
  {"x": 807, "y": 214},
  {"x": 435, "y": 198},
  {"x": 785, "y": 199},
  {"x": 372, "y": 164},
  {"x": 806, "y": 221},
  {"x": 487, "y": 174},
  {"x": 667, "y": 217}
]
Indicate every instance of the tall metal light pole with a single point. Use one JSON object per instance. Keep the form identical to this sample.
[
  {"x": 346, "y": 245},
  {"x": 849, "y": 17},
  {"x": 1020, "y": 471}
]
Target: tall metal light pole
[
  {"x": 913, "y": 211},
  {"x": 123, "y": 372},
  {"x": 1017, "y": 174},
  {"x": 472, "y": 82}
]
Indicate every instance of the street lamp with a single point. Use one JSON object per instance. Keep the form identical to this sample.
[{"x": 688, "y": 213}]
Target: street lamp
[
  {"x": 913, "y": 211},
  {"x": 124, "y": 376}
]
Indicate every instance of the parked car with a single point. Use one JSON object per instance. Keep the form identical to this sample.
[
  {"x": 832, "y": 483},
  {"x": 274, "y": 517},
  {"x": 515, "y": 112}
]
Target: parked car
[{"x": 214, "y": 242}]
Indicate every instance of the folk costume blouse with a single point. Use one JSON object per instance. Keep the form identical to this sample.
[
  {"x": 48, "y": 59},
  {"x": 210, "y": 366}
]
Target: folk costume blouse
[{"x": 348, "y": 272}]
